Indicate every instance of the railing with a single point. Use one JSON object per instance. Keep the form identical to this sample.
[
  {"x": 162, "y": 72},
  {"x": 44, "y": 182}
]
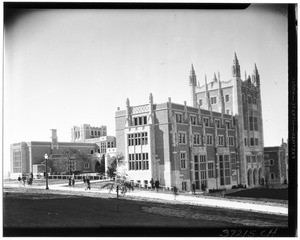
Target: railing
[{"x": 79, "y": 177}]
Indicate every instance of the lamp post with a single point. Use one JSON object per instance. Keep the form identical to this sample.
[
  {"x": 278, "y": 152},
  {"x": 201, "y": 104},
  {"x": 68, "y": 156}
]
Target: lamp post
[{"x": 46, "y": 158}]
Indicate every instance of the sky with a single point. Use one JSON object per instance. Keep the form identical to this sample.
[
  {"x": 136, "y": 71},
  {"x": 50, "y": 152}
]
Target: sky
[{"x": 64, "y": 68}]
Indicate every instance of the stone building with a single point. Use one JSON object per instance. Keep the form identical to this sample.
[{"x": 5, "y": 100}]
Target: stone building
[
  {"x": 26, "y": 157},
  {"x": 241, "y": 98},
  {"x": 276, "y": 160},
  {"x": 216, "y": 142},
  {"x": 86, "y": 131}
]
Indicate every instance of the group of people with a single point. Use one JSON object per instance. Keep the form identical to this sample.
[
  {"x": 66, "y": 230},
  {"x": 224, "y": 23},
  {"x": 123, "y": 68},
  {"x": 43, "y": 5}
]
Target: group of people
[
  {"x": 154, "y": 184},
  {"x": 88, "y": 183},
  {"x": 22, "y": 180},
  {"x": 72, "y": 180}
]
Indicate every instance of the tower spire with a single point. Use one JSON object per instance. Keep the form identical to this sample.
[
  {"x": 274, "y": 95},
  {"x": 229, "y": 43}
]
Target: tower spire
[
  {"x": 236, "y": 71},
  {"x": 220, "y": 95},
  {"x": 255, "y": 76},
  {"x": 207, "y": 94},
  {"x": 193, "y": 84},
  {"x": 215, "y": 78}
]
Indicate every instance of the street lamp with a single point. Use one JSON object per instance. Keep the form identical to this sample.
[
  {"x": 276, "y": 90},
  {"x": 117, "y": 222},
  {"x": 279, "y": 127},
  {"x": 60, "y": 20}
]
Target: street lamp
[{"x": 46, "y": 158}]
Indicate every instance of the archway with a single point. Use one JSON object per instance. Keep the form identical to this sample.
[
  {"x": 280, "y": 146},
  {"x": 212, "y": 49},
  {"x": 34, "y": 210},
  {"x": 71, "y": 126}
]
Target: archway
[
  {"x": 260, "y": 175},
  {"x": 255, "y": 177},
  {"x": 249, "y": 175}
]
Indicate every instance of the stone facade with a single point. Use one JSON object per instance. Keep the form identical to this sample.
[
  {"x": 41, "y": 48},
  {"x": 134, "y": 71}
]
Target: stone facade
[
  {"x": 241, "y": 98},
  {"x": 26, "y": 155},
  {"x": 177, "y": 145},
  {"x": 86, "y": 131},
  {"x": 276, "y": 160}
]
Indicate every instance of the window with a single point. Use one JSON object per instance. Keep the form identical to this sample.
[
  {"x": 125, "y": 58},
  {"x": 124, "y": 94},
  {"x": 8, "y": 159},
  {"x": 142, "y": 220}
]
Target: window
[
  {"x": 209, "y": 139},
  {"x": 259, "y": 157},
  {"x": 245, "y": 141},
  {"x": 98, "y": 133},
  {"x": 251, "y": 123},
  {"x": 138, "y": 161},
  {"x": 228, "y": 111},
  {"x": 183, "y": 160},
  {"x": 92, "y": 151},
  {"x": 228, "y": 125},
  {"x": 178, "y": 117},
  {"x": 210, "y": 167},
  {"x": 251, "y": 141},
  {"x": 98, "y": 150},
  {"x": 140, "y": 120},
  {"x": 206, "y": 121},
  {"x": 108, "y": 144},
  {"x": 271, "y": 162},
  {"x": 248, "y": 159},
  {"x": 253, "y": 158},
  {"x": 227, "y": 169},
  {"x": 92, "y": 133},
  {"x": 221, "y": 140},
  {"x": 71, "y": 166},
  {"x": 233, "y": 162},
  {"x": 193, "y": 120},
  {"x": 256, "y": 141},
  {"x": 200, "y": 102},
  {"x": 203, "y": 175},
  {"x": 135, "y": 139},
  {"x": 213, "y": 100},
  {"x": 255, "y": 124},
  {"x": 218, "y": 123},
  {"x": 254, "y": 101},
  {"x": 227, "y": 98},
  {"x": 272, "y": 176},
  {"x": 196, "y": 139},
  {"x": 86, "y": 165},
  {"x": 182, "y": 138},
  {"x": 231, "y": 140}
]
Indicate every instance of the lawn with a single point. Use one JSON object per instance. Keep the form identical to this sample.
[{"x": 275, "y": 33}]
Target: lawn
[
  {"x": 37, "y": 208},
  {"x": 271, "y": 193}
]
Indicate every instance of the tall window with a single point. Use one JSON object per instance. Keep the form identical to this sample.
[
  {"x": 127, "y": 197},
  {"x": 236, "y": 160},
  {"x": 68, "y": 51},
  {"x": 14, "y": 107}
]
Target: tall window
[
  {"x": 213, "y": 100},
  {"x": 256, "y": 141},
  {"x": 221, "y": 140},
  {"x": 228, "y": 125},
  {"x": 203, "y": 175},
  {"x": 251, "y": 141},
  {"x": 255, "y": 124},
  {"x": 231, "y": 140},
  {"x": 271, "y": 162},
  {"x": 254, "y": 158},
  {"x": 272, "y": 176},
  {"x": 17, "y": 161},
  {"x": 196, "y": 167},
  {"x": 86, "y": 165},
  {"x": 200, "y": 102},
  {"x": 193, "y": 120},
  {"x": 227, "y": 169},
  {"x": 178, "y": 117},
  {"x": 218, "y": 123},
  {"x": 251, "y": 123},
  {"x": 206, "y": 121},
  {"x": 209, "y": 139},
  {"x": 210, "y": 167},
  {"x": 140, "y": 120},
  {"x": 221, "y": 165},
  {"x": 183, "y": 160},
  {"x": 248, "y": 158},
  {"x": 182, "y": 138},
  {"x": 196, "y": 139},
  {"x": 233, "y": 161},
  {"x": 227, "y": 98}
]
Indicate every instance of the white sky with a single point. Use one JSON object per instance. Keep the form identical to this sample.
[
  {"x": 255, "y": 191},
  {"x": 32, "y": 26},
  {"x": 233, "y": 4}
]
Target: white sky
[{"x": 68, "y": 67}]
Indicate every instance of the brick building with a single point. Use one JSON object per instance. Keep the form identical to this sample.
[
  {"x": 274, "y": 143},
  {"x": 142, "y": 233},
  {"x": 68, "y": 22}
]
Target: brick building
[
  {"x": 26, "y": 157},
  {"x": 276, "y": 160},
  {"x": 216, "y": 142}
]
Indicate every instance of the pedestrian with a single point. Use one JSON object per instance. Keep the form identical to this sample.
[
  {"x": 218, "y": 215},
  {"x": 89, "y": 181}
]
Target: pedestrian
[
  {"x": 70, "y": 181},
  {"x": 73, "y": 181},
  {"x": 156, "y": 185},
  {"x": 152, "y": 183},
  {"x": 175, "y": 192},
  {"x": 84, "y": 179},
  {"x": 88, "y": 184},
  {"x": 20, "y": 179},
  {"x": 194, "y": 188},
  {"x": 24, "y": 180}
]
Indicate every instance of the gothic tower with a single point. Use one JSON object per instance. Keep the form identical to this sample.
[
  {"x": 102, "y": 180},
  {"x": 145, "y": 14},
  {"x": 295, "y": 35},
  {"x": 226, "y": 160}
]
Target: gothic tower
[{"x": 193, "y": 84}]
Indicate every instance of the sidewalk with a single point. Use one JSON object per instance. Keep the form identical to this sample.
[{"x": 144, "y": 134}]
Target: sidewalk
[{"x": 182, "y": 199}]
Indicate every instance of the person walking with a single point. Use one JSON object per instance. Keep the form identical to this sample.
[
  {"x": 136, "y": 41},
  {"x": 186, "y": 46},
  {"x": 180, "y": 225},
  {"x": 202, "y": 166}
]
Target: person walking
[
  {"x": 20, "y": 181},
  {"x": 70, "y": 181},
  {"x": 24, "y": 180},
  {"x": 73, "y": 181},
  {"x": 175, "y": 190},
  {"x": 152, "y": 184},
  {"x": 194, "y": 188},
  {"x": 88, "y": 184},
  {"x": 156, "y": 185}
]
